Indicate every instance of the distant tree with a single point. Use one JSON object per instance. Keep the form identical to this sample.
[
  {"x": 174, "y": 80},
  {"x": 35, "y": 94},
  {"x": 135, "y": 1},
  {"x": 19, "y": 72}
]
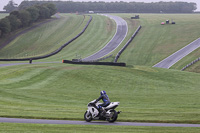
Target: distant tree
[
  {"x": 52, "y": 8},
  {"x": 136, "y": 7},
  {"x": 5, "y": 26},
  {"x": 15, "y": 22},
  {"x": 11, "y": 6},
  {"x": 16, "y": 13},
  {"x": 24, "y": 4},
  {"x": 34, "y": 12},
  {"x": 25, "y": 18},
  {"x": 44, "y": 12}
]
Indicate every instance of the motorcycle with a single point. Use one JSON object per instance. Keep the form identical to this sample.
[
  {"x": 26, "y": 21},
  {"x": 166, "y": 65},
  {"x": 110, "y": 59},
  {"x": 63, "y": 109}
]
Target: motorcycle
[{"x": 94, "y": 113}]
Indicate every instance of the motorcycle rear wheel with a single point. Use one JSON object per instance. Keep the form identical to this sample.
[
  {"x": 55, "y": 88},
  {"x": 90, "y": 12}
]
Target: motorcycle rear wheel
[
  {"x": 114, "y": 116},
  {"x": 88, "y": 116}
]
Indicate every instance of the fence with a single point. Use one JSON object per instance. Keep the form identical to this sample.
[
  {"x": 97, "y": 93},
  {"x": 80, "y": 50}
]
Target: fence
[
  {"x": 94, "y": 63},
  {"x": 126, "y": 45},
  {"x": 56, "y": 51},
  {"x": 188, "y": 65}
]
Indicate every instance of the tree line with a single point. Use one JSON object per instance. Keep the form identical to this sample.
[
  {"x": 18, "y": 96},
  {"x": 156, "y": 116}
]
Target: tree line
[
  {"x": 125, "y": 7},
  {"x": 25, "y": 17}
]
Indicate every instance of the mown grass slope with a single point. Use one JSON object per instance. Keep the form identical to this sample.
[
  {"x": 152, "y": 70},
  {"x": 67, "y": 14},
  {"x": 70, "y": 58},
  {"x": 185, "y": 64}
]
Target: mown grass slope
[
  {"x": 61, "y": 91},
  {"x": 46, "y": 38},
  {"x": 96, "y": 36},
  {"x": 50, "y": 36},
  {"x": 155, "y": 41}
]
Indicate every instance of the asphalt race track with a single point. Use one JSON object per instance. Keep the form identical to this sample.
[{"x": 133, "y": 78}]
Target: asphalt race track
[
  {"x": 172, "y": 59},
  {"x": 40, "y": 121},
  {"x": 119, "y": 36},
  {"x": 14, "y": 64}
]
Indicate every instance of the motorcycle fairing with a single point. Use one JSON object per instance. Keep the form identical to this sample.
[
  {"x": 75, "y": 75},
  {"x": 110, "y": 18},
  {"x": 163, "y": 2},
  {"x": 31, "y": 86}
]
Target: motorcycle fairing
[
  {"x": 93, "y": 111},
  {"x": 112, "y": 105}
]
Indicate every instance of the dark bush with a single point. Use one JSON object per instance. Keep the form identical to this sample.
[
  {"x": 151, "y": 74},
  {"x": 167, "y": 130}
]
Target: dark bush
[
  {"x": 15, "y": 22},
  {"x": 5, "y": 26},
  {"x": 34, "y": 13},
  {"x": 25, "y": 18}
]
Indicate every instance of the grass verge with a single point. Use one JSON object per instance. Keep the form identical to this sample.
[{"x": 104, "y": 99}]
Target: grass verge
[{"x": 42, "y": 128}]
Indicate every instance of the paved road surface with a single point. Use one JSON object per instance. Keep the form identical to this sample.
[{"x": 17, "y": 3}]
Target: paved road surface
[
  {"x": 39, "y": 121},
  {"x": 172, "y": 59},
  {"x": 119, "y": 36},
  {"x": 13, "y": 64}
]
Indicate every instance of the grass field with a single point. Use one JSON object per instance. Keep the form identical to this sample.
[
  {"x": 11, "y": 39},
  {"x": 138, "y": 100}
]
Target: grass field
[
  {"x": 188, "y": 59},
  {"x": 45, "y": 38},
  {"x": 51, "y": 36},
  {"x": 194, "y": 68},
  {"x": 99, "y": 32},
  {"x": 41, "y": 128},
  {"x": 155, "y": 42},
  {"x": 61, "y": 91},
  {"x": 2, "y": 15}
]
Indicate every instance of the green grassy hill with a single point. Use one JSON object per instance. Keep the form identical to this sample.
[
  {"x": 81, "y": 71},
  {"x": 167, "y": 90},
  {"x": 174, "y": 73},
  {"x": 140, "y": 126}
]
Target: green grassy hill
[
  {"x": 61, "y": 91},
  {"x": 97, "y": 35},
  {"x": 155, "y": 41},
  {"x": 48, "y": 37}
]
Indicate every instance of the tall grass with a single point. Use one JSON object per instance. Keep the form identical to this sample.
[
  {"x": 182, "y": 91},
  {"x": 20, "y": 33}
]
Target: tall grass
[{"x": 50, "y": 36}]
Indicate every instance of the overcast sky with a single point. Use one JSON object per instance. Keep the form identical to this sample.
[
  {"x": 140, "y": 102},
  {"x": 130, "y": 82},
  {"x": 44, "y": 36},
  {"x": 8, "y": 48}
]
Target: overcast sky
[{"x": 5, "y": 2}]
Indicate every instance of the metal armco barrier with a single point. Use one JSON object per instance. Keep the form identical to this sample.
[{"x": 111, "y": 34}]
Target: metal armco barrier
[
  {"x": 188, "y": 65},
  {"x": 56, "y": 51},
  {"x": 95, "y": 63},
  {"x": 126, "y": 45}
]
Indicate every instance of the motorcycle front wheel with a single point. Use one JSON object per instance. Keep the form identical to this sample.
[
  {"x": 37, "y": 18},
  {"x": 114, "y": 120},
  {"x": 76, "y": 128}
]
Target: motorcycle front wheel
[
  {"x": 88, "y": 116},
  {"x": 113, "y": 117}
]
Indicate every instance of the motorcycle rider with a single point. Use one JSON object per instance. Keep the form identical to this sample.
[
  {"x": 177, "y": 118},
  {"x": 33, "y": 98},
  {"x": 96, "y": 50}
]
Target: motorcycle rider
[{"x": 106, "y": 101}]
